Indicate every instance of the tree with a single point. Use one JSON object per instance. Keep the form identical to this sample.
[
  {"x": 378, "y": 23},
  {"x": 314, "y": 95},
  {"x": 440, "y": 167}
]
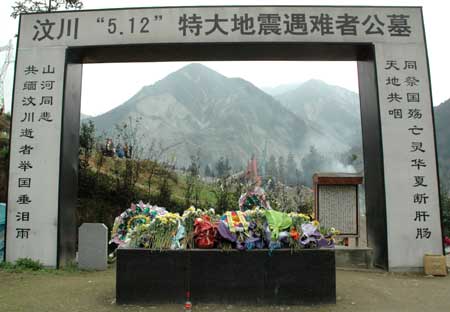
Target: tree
[
  {"x": 128, "y": 171},
  {"x": 223, "y": 167},
  {"x": 208, "y": 171},
  {"x": 33, "y": 6},
  {"x": 303, "y": 198},
  {"x": 281, "y": 172},
  {"x": 282, "y": 197},
  {"x": 223, "y": 193},
  {"x": 87, "y": 142},
  {"x": 445, "y": 208},
  {"x": 166, "y": 174},
  {"x": 271, "y": 167},
  {"x": 192, "y": 192},
  {"x": 312, "y": 163},
  {"x": 4, "y": 152},
  {"x": 154, "y": 162},
  {"x": 291, "y": 170},
  {"x": 353, "y": 157},
  {"x": 87, "y": 182}
]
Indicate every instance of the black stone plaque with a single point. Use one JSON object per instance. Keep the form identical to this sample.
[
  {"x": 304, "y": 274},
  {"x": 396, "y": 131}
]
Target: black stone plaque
[{"x": 228, "y": 277}]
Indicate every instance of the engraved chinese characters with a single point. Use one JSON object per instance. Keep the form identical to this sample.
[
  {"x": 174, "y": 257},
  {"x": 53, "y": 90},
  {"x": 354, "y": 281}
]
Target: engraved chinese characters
[
  {"x": 394, "y": 25},
  {"x": 407, "y": 105},
  {"x": 39, "y": 80},
  {"x": 50, "y": 30},
  {"x": 35, "y": 138},
  {"x": 408, "y": 144},
  {"x": 222, "y": 24}
]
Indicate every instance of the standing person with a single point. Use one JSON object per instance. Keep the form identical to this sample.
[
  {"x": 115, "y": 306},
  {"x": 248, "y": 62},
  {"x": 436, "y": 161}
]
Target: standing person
[{"x": 119, "y": 151}]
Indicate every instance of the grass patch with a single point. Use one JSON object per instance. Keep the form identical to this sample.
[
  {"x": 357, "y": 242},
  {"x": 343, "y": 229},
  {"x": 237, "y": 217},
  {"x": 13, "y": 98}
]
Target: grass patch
[{"x": 23, "y": 265}]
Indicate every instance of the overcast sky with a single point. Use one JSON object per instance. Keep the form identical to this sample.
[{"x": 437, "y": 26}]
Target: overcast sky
[{"x": 126, "y": 79}]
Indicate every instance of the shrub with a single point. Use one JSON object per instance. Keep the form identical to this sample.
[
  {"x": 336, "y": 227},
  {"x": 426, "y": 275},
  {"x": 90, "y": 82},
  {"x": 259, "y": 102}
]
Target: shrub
[
  {"x": 22, "y": 264},
  {"x": 29, "y": 264}
]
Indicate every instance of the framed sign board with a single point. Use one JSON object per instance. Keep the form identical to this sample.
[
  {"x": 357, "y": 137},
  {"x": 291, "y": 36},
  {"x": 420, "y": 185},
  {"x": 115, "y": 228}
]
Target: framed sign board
[{"x": 336, "y": 201}]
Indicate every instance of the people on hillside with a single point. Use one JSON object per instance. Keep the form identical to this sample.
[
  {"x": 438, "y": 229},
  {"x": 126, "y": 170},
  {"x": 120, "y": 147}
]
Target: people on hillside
[{"x": 120, "y": 151}]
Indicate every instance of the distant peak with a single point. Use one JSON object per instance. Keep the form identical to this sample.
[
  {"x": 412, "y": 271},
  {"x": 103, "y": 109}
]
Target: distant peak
[
  {"x": 198, "y": 69},
  {"x": 194, "y": 66},
  {"x": 315, "y": 82}
]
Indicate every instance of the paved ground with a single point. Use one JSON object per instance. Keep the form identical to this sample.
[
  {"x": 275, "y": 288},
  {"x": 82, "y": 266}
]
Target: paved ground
[{"x": 94, "y": 291}]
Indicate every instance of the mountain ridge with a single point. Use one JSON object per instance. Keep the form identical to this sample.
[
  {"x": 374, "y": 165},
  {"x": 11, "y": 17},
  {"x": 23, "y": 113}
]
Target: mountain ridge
[
  {"x": 313, "y": 99},
  {"x": 202, "y": 109}
]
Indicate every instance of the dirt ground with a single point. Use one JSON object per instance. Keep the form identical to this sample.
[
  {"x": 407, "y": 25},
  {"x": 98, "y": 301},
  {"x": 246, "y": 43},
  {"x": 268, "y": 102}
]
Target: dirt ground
[{"x": 95, "y": 291}]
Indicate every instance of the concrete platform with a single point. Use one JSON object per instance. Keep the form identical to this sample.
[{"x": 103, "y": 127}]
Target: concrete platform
[{"x": 353, "y": 257}]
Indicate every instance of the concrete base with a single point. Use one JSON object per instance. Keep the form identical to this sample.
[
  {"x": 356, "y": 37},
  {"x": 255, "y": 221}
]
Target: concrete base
[
  {"x": 358, "y": 258},
  {"x": 226, "y": 277}
]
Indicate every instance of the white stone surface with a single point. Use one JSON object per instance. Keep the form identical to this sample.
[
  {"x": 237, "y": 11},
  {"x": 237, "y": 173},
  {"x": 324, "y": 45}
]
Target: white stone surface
[{"x": 93, "y": 246}]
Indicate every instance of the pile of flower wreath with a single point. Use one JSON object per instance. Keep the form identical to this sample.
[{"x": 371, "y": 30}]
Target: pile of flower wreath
[{"x": 153, "y": 227}]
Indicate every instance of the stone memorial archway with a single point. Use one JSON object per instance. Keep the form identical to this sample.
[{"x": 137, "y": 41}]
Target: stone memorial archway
[{"x": 388, "y": 43}]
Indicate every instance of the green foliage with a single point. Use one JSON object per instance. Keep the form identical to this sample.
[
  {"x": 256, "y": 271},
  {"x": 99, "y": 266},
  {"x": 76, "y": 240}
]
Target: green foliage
[
  {"x": 8, "y": 267},
  {"x": 108, "y": 185},
  {"x": 22, "y": 264},
  {"x": 4, "y": 153},
  {"x": 193, "y": 188},
  {"x": 445, "y": 206},
  {"x": 208, "y": 172},
  {"x": 291, "y": 170},
  {"x": 226, "y": 193},
  {"x": 87, "y": 142},
  {"x": 271, "y": 167},
  {"x": 223, "y": 189},
  {"x": 304, "y": 203},
  {"x": 8, "y": 116},
  {"x": 286, "y": 198},
  {"x": 29, "y": 264},
  {"x": 165, "y": 192},
  {"x": 442, "y": 115},
  {"x": 281, "y": 170},
  {"x": 71, "y": 267},
  {"x": 223, "y": 167},
  {"x": 312, "y": 162}
]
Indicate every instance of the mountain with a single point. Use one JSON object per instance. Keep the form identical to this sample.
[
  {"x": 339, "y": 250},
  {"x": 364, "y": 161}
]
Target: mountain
[
  {"x": 278, "y": 90},
  {"x": 441, "y": 118},
  {"x": 84, "y": 116},
  {"x": 332, "y": 109},
  {"x": 196, "y": 108}
]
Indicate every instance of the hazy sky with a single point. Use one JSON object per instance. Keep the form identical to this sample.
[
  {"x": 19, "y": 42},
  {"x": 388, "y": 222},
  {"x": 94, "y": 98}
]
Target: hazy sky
[
  {"x": 127, "y": 79},
  {"x": 262, "y": 74}
]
